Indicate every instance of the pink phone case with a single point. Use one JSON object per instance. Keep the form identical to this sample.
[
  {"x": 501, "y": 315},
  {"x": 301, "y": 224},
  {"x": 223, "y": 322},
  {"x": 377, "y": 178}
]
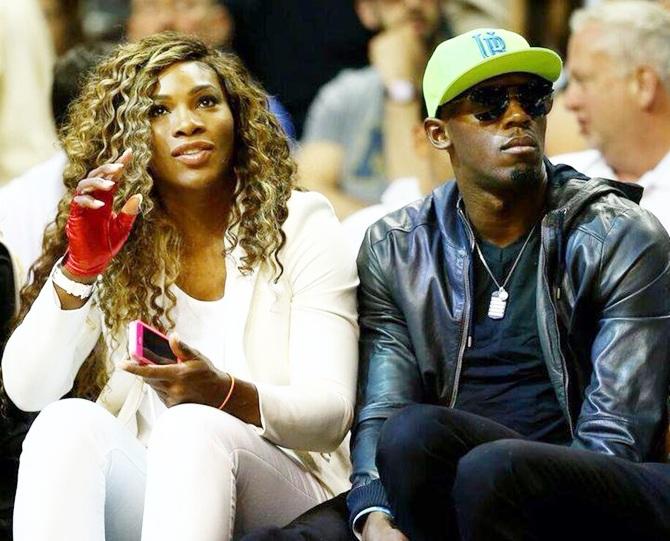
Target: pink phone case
[{"x": 136, "y": 340}]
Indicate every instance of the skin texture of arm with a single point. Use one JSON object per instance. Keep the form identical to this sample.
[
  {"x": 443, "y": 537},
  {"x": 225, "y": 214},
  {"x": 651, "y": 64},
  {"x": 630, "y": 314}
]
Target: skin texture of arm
[{"x": 320, "y": 168}]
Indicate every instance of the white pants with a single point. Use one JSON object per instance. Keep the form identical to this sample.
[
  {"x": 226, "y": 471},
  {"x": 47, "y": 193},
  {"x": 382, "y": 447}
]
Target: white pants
[{"x": 207, "y": 476}]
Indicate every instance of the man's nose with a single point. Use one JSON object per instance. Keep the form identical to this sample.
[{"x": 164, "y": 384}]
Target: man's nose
[
  {"x": 515, "y": 114},
  {"x": 571, "y": 96}
]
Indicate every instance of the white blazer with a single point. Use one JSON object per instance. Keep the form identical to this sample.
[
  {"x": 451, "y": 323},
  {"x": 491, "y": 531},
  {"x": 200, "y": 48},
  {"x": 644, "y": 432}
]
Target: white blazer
[{"x": 300, "y": 342}]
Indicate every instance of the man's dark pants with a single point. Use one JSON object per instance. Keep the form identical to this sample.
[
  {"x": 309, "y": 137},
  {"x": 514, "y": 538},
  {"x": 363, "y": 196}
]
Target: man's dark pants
[{"x": 454, "y": 475}]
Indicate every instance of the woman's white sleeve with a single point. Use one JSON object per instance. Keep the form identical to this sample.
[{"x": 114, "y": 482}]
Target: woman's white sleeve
[
  {"x": 315, "y": 410},
  {"x": 44, "y": 353}
]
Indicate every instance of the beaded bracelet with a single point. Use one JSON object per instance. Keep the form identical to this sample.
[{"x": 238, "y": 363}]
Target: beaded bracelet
[{"x": 230, "y": 392}]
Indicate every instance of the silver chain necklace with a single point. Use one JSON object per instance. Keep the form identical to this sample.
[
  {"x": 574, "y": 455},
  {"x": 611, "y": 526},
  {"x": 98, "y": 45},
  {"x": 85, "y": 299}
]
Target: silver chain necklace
[{"x": 499, "y": 298}]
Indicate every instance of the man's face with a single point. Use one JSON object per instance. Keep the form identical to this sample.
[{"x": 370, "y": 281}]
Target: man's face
[
  {"x": 598, "y": 92},
  {"x": 149, "y": 17},
  {"x": 206, "y": 19},
  {"x": 423, "y": 15},
  {"x": 495, "y": 132},
  {"x": 200, "y": 18}
]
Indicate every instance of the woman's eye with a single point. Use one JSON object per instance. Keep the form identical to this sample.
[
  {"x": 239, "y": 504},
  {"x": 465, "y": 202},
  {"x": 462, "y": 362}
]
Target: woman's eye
[
  {"x": 157, "y": 110},
  {"x": 208, "y": 101}
]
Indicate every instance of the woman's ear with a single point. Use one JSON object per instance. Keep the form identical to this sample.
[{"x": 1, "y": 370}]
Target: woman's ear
[
  {"x": 367, "y": 14},
  {"x": 436, "y": 131}
]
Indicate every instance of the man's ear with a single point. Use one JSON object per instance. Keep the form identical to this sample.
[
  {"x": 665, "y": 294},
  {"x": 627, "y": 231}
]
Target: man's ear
[
  {"x": 645, "y": 84},
  {"x": 436, "y": 131},
  {"x": 367, "y": 13}
]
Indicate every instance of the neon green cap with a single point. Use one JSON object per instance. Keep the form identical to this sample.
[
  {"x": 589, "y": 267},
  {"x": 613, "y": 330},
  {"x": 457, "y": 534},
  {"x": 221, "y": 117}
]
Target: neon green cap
[{"x": 470, "y": 58}]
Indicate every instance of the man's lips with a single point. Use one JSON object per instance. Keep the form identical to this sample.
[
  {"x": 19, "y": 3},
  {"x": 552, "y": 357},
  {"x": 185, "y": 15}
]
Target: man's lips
[
  {"x": 524, "y": 141},
  {"x": 520, "y": 145}
]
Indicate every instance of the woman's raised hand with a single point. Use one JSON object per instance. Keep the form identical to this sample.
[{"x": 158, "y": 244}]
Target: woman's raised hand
[{"x": 94, "y": 231}]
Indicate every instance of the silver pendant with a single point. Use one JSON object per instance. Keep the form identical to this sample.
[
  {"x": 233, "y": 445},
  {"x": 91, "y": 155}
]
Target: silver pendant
[{"x": 498, "y": 304}]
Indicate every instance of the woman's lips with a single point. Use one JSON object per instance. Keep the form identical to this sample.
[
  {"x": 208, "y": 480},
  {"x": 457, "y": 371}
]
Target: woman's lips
[{"x": 195, "y": 158}]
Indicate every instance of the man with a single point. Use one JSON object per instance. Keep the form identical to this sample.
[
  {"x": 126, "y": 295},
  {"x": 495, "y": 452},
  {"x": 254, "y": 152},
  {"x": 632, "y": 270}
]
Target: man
[
  {"x": 207, "y": 19},
  {"x": 619, "y": 90},
  {"x": 358, "y": 129},
  {"x": 435, "y": 169},
  {"x": 514, "y": 352}
]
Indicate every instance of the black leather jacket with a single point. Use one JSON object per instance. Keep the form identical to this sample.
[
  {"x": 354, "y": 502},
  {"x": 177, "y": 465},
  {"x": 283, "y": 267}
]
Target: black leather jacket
[{"x": 603, "y": 306}]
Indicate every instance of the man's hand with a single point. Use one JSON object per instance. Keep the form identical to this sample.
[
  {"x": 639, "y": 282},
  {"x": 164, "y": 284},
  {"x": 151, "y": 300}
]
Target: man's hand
[
  {"x": 194, "y": 379},
  {"x": 378, "y": 527},
  {"x": 398, "y": 54}
]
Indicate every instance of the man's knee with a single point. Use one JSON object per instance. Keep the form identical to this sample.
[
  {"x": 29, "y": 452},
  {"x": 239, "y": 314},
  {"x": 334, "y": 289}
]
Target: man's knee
[
  {"x": 407, "y": 437},
  {"x": 491, "y": 473}
]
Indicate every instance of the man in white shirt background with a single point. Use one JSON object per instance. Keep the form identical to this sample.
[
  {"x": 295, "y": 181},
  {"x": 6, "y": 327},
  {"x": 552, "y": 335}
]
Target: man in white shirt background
[{"x": 619, "y": 89}]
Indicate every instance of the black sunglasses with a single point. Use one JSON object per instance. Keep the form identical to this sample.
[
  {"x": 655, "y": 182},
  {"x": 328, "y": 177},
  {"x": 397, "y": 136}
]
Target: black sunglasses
[{"x": 489, "y": 103}]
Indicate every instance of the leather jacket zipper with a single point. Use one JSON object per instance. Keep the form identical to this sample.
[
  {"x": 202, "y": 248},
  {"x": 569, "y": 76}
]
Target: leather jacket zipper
[
  {"x": 564, "y": 366},
  {"x": 465, "y": 338}
]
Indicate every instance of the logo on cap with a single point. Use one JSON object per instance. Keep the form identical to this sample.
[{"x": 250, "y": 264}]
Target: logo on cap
[{"x": 490, "y": 45}]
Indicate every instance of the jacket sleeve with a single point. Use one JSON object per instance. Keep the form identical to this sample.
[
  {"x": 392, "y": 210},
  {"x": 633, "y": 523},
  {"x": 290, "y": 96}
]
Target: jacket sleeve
[
  {"x": 624, "y": 408},
  {"x": 45, "y": 352},
  {"x": 388, "y": 376},
  {"x": 315, "y": 409}
]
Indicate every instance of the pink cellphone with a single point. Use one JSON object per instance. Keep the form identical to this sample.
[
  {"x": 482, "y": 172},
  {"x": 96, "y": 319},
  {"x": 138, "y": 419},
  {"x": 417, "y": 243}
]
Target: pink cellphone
[{"x": 149, "y": 346}]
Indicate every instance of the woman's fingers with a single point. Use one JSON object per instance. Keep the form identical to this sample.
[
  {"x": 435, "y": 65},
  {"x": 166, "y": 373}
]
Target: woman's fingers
[
  {"x": 113, "y": 171},
  {"x": 86, "y": 201},
  {"x": 133, "y": 205},
  {"x": 89, "y": 185},
  {"x": 126, "y": 157}
]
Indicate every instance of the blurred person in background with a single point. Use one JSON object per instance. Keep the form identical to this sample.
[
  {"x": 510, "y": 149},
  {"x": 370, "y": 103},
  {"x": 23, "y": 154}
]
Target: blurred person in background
[
  {"x": 296, "y": 46},
  {"x": 210, "y": 20},
  {"x": 65, "y": 24},
  {"x": 27, "y": 134},
  {"x": 13, "y": 423},
  {"x": 402, "y": 191},
  {"x": 619, "y": 90},
  {"x": 466, "y": 15},
  {"x": 23, "y": 216},
  {"x": 358, "y": 129}
]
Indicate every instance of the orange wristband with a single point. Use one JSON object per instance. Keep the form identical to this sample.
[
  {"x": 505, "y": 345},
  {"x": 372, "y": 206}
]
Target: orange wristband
[{"x": 230, "y": 392}]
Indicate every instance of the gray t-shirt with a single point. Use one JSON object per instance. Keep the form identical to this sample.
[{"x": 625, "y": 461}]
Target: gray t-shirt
[{"x": 349, "y": 111}]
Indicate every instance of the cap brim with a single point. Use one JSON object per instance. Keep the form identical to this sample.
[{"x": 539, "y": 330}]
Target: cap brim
[{"x": 544, "y": 63}]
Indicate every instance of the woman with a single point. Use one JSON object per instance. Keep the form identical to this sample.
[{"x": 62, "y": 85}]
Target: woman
[{"x": 211, "y": 241}]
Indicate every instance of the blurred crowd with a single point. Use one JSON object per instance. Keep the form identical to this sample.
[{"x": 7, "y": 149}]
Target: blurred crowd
[{"x": 343, "y": 78}]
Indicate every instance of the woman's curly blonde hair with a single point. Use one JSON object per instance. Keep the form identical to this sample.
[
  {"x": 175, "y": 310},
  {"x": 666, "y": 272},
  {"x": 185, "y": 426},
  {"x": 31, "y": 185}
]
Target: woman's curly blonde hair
[{"x": 112, "y": 114}]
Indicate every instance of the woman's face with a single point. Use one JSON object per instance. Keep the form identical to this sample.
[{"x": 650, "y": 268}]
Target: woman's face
[{"x": 192, "y": 128}]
